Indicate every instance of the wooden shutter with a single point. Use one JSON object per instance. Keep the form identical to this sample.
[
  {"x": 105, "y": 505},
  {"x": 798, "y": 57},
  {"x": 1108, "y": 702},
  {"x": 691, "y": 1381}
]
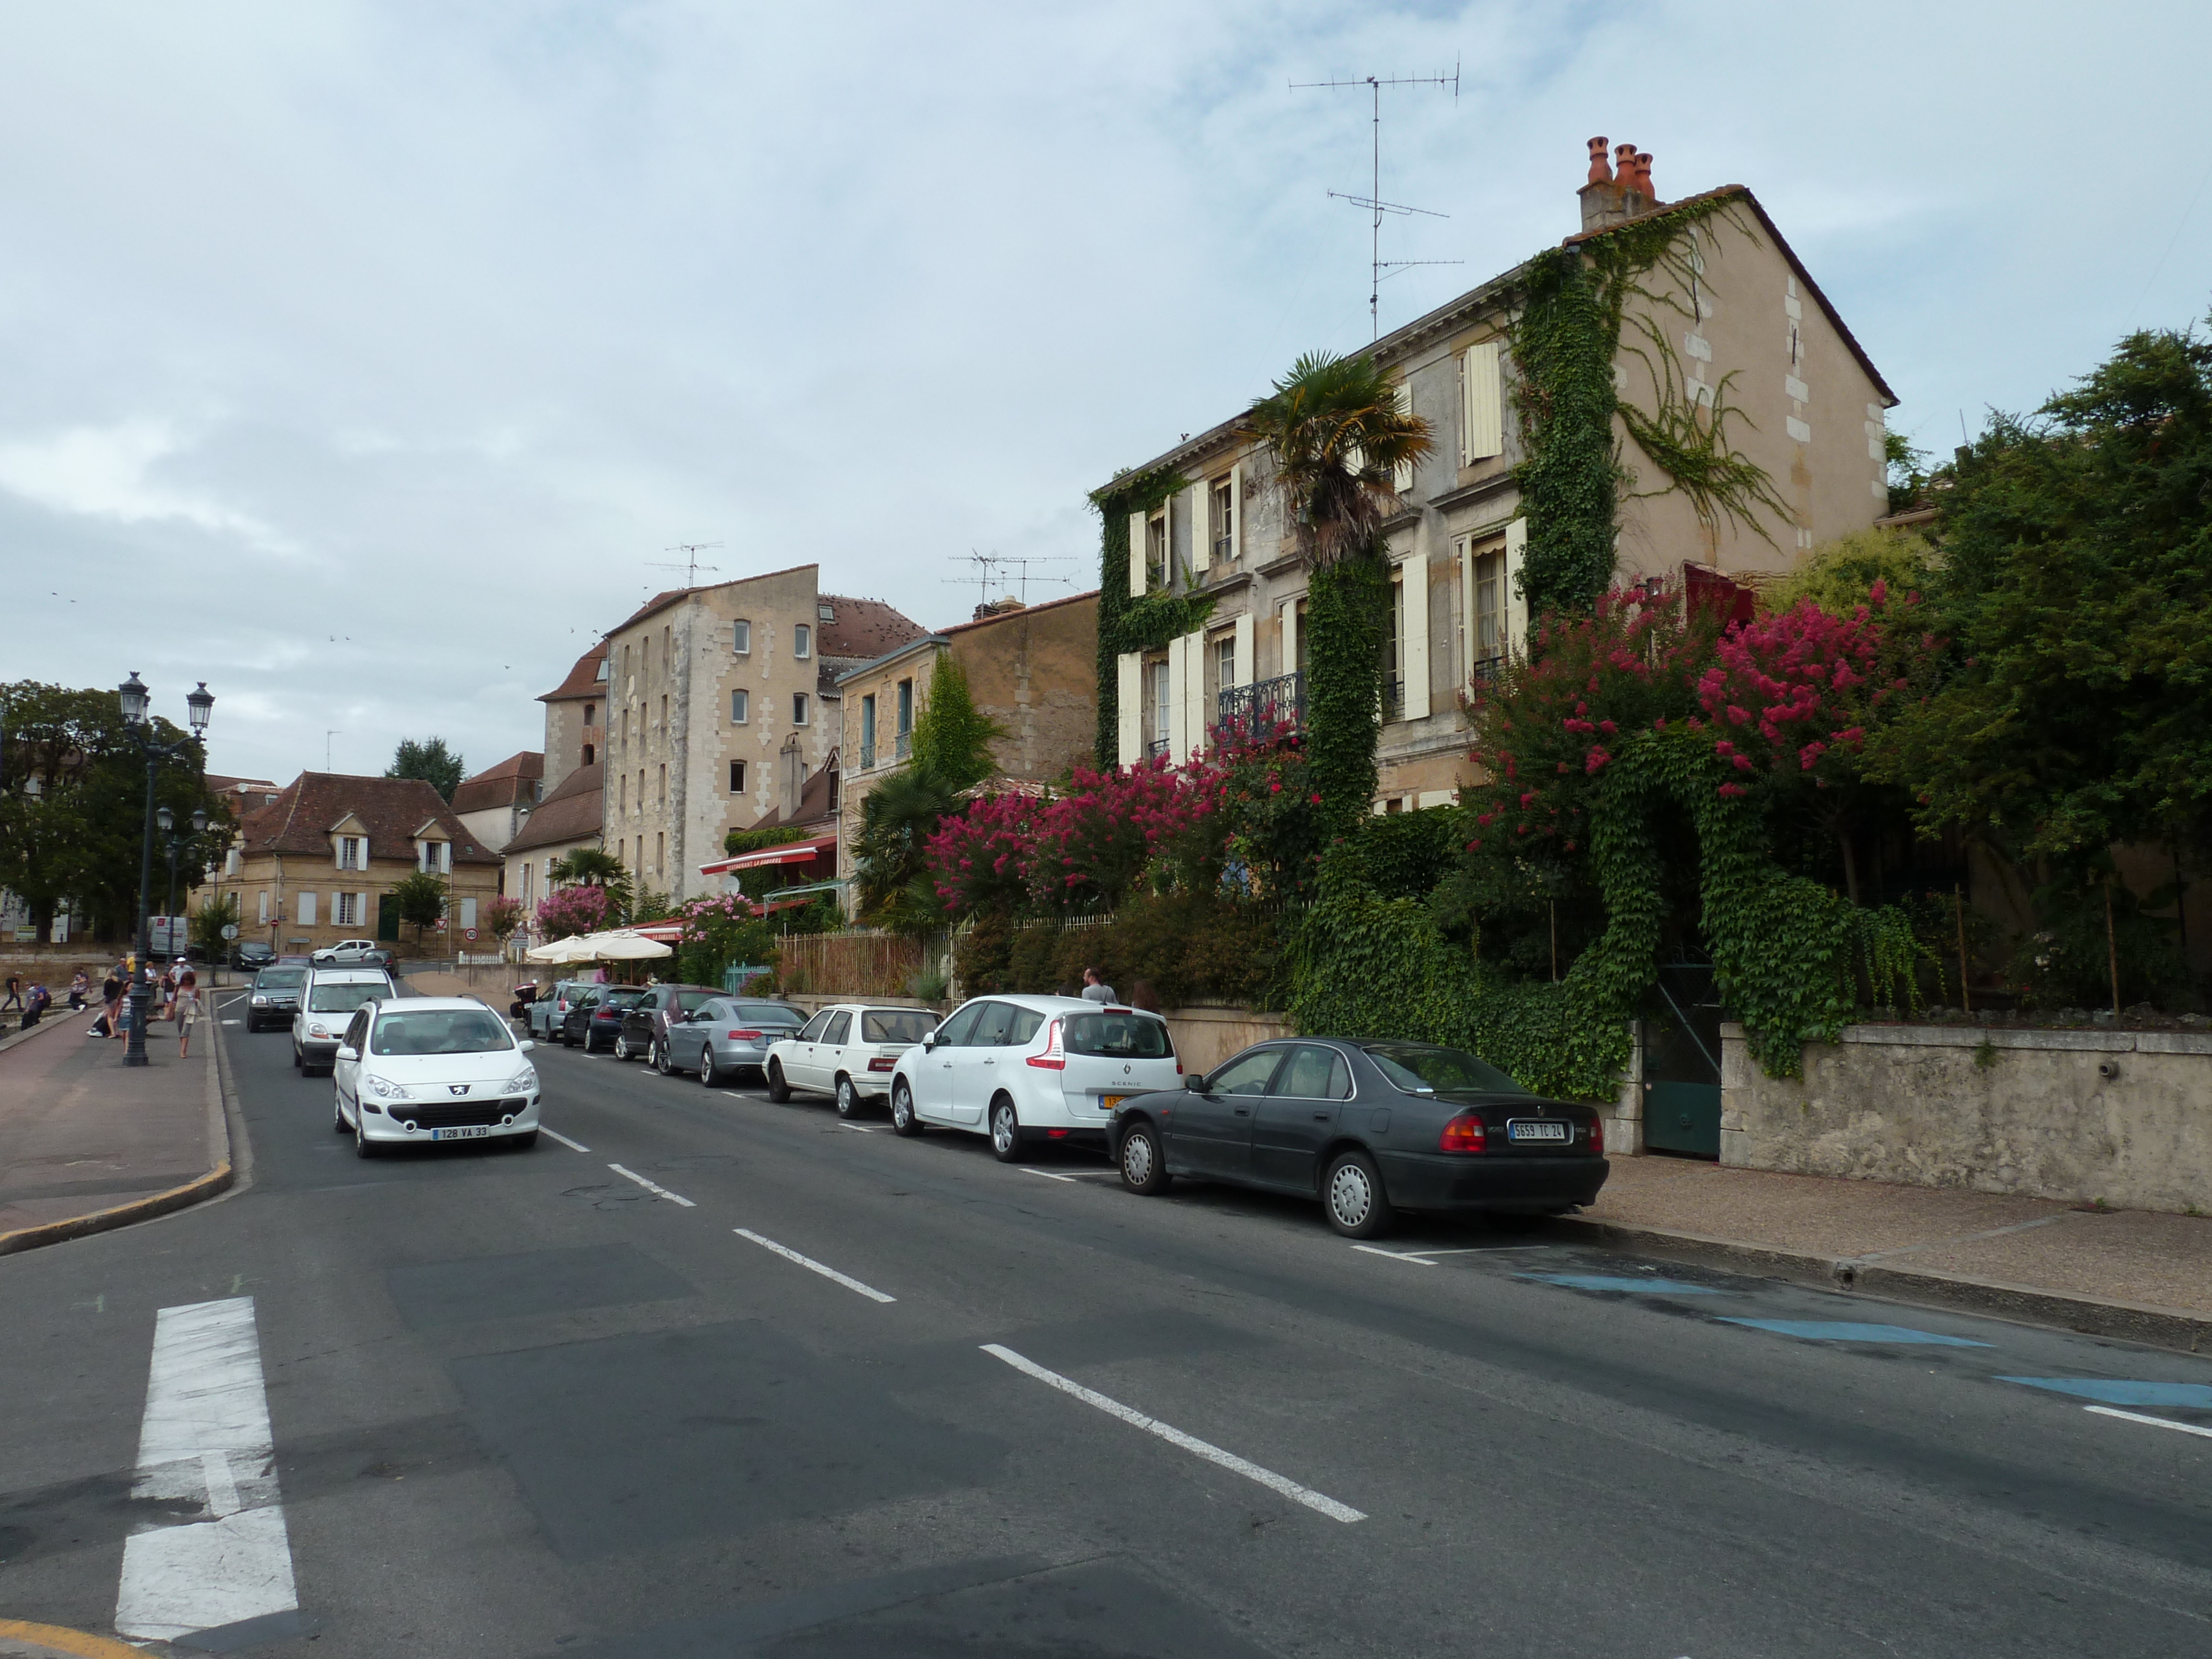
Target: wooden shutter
[
  {"x": 1289, "y": 609},
  {"x": 1201, "y": 540},
  {"x": 1136, "y": 556},
  {"x": 1244, "y": 675},
  {"x": 1481, "y": 423},
  {"x": 1510, "y": 604},
  {"x": 1178, "y": 671},
  {"x": 1129, "y": 691},
  {"x": 1236, "y": 510},
  {"x": 1413, "y": 641}
]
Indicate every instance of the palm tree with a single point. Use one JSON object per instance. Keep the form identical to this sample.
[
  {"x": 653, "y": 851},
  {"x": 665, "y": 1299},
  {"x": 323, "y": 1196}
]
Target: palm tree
[
  {"x": 892, "y": 884},
  {"x": 594, "y": 866},
  {"x": 1339, "y": 440}
]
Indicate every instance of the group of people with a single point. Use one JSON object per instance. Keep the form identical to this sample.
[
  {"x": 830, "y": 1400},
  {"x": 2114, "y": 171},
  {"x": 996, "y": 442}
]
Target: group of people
[{"x": 176, "y": 991}]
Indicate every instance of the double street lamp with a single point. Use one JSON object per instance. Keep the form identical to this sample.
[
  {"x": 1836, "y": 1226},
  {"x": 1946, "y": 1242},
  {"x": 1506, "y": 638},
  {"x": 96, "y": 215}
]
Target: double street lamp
[
  {"x": 168, "y": 820},
  {"x": 138, "y": 722}
]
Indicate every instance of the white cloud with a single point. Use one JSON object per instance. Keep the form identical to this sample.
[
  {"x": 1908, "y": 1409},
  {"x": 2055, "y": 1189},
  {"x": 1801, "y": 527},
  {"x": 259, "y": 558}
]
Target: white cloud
[{"x": 106, "y": 472}]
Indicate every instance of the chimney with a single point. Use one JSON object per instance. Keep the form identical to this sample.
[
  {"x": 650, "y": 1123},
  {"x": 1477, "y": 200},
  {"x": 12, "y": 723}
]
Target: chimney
[
  {"x": 1616, "y": 193},
  {"x": 791, "y": 779}
]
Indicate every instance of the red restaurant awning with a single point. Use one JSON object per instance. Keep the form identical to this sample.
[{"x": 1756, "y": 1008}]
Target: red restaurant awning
[{"x": 796, "y": 852}]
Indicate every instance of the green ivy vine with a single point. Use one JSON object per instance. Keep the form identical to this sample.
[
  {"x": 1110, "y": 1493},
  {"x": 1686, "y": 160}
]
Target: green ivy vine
[
  {"x": 1127, "y": 623},
  {"x": 1564, "y": 335}
]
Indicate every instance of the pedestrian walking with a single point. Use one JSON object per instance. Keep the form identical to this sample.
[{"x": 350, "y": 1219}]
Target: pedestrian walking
[
  {"x": 14, "y": 993},
  {"x": 110, "y": 993},
  {"x": 188, "y": 1010},
  {"x": 168, "y": 992},
  {"x": 79, "y": 988}
]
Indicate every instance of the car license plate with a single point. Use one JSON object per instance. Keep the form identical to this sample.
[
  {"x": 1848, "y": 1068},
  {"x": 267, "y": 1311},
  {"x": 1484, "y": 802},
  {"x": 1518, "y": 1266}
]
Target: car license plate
[
  {"x": 1108, "y": 1102},
  {"x": 473, "y": 1133},
  {"x": 1538, "y": 1128}
]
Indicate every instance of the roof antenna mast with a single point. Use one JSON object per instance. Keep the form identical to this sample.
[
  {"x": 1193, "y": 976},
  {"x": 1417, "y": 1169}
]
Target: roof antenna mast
[
  {"x": 1373, "y": 202},
  {"x": 691, "y": 567}
]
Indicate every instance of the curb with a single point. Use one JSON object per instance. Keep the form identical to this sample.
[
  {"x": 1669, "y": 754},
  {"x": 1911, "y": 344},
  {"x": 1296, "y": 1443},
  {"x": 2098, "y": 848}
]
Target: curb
[
  {"x": 53, "y": 1639},
  {"x": 2128, "y": 1321},
  {"x": 122, "y": 1215}
]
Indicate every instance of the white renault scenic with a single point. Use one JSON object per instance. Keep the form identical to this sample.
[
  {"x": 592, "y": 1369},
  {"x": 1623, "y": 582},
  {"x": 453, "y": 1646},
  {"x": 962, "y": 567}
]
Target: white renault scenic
[
  {"x": 1023, "y": 1068},
  {"x": 431, "y": 1069}
]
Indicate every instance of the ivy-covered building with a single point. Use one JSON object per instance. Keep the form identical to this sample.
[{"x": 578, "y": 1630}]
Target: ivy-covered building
[{"x": 1683, "y": 343}]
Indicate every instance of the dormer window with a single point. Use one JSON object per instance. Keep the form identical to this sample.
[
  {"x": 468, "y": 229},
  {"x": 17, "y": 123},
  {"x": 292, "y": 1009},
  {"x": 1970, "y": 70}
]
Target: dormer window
[
  {"x": 601, "y": 677},
  {"x": 435, "y": 858},
  {"x": 350, "y": 852}
]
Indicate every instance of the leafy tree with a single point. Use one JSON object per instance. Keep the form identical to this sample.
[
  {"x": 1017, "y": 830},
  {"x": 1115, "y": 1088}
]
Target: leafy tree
[
  {"x": 891, "y": 879},
  {"x": 594, "y": 866},
  {"x": 577, "y": 909},
  {"x": 1338, "y": 439},
  {"x": 501, "y": 917},
  {"x": 430, "y": 761},
  {"x": 1841, "y": 576},
  {"x": 420, "y": 900},
  {"x": 210, "y": 920},
  {"x": 952, "y": 738}
]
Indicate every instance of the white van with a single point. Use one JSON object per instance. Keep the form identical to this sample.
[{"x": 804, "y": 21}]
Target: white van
[{"x": 327, "y": 1001}]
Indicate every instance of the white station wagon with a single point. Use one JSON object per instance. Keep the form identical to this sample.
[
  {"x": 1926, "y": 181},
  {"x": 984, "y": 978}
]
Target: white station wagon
[
  {"x": 847, "y": 1051},
  {"x": 1023, "y": 1068}
]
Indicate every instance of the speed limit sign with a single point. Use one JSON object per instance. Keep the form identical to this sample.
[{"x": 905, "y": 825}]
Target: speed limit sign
[{"x": 472, "y": 933}]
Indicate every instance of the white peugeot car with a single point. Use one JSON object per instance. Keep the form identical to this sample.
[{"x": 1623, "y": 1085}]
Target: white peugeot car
[
  {"x": 430, "y": 1069},
  {"x": 1020, "y": 1068},
  {"x": 848, "y": 1050}
]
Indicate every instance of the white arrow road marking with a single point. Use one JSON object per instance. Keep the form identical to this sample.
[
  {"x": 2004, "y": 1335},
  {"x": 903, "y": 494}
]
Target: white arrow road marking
[
  {"x": 206, "y": 1439},
  {"x": 657, "y": 1192},
  {"x": 1212, "y": 1454}
]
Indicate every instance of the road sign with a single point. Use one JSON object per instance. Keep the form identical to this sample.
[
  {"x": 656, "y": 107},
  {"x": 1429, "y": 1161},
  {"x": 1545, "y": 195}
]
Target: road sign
[
  {"x": 472, "y": 933},
  {"x": 230, "y": 930}
]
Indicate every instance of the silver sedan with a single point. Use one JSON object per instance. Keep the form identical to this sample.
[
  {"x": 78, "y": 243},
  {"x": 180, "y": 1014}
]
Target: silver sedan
[{"x": 729, "y": 1036}]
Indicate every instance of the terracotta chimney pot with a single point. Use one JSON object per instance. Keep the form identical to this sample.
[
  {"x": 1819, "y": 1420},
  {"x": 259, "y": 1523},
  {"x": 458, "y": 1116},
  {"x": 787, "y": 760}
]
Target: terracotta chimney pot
[
  {"x": 1624, "y": 166},
  {"x": 1600, "y": 173},
  {"x": 1643, "y": 174}
]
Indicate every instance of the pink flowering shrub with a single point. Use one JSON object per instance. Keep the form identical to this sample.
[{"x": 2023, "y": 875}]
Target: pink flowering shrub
[
  {"x": 1093, "y": 844},
  {"x": 981, "y": 860},
  {"x": 579, "y": 909}
]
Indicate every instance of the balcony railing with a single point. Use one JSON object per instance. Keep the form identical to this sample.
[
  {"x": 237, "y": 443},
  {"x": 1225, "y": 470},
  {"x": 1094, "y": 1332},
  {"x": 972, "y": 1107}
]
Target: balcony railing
[
  {"x": 867, "y": 757},
  {"x": 1259, "y": 712},
  {"x": 904, "y": 751},
  {"x": 1155, "y": 748},
  {"x": 1224, "y": 549},
  {"x": 1393, "y": 700},
  {"x": 1487, "y": 671}
]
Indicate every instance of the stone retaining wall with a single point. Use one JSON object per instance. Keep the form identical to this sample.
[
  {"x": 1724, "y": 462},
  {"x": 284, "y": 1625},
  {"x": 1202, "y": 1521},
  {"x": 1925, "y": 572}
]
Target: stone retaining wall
[{"x": 2120, "y": 1117}]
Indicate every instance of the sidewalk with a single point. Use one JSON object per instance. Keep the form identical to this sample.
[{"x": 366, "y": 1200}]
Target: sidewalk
[
  {"x": 87, "y": 1143},
  {"x": 2128, "y": 1273}
]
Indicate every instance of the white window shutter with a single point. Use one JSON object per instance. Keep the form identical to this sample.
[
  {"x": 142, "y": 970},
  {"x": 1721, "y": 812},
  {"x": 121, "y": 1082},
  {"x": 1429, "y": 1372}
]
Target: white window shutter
[
  {"x": 1515, "y": 608},
  {"x": 1178, "y": 648},
  {"x": 1402, "y": 395},
  {"x": 1236, "y": 510},
  {"x": 1290, "y": 614},
  {"x": 1129, "y": 695},
  {"x": 1413, "y": 653},
  {"x": 468, "y": 912},
  {"x": 1202, "y": 543},
  {"x": 1481, "y": 425},
  {"x": 1243, "y": 649},
  {"x": 306, "y": 909},
  {"x": 1197, "y": 707},
  {"x": 1136, "y": 556}
]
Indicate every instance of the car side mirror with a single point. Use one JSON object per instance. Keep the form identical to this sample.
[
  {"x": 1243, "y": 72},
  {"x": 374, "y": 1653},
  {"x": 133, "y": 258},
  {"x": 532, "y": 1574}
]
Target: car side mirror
[
  {"x": 1194, "y": 1082},
  {"x": 525, "y": 1044},
  {"x": 346, "y": 1051},
  {"x": 929, "y": 1041}
]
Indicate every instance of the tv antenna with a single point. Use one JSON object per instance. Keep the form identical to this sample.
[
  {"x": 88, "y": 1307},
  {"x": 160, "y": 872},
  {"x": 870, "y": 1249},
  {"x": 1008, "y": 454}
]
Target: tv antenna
[
  {"x": 989, "y": 565},
  {"x": 1373, "y": 202},
  {"x": 691, "y": 567}
]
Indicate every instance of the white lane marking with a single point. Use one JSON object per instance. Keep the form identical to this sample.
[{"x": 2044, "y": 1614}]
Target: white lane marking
[
  {"x": 205, "y": 1439},
  {"x": 857, "y": 1128},
  {"x": 656, "y": 1190},
  {"x": 572, "y": 1145},
  {"x": 234, "y": 1022},
  {"x": 809, "y": 1262},
  {"x": 1392, "y": 1255},
  {"x": 2155, "y": 1422},
  {"x": 1212, "y": 1454},
  {"x": 1047, "y": 1174}
]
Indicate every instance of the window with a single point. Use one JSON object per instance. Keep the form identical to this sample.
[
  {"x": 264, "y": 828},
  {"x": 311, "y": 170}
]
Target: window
[
  {"x": 621, "y": 792},
  {"x": 346, "y": 909},
  {"x": 1488, "y": 634},
  {"x": 306, "y": 909},
  {"x": 741, "y": 638},
  {"x": 1119, "y": 1036},
  {"x": 1314, "y": 1074},
  {"x": 661, "y": 799},
  {"x": 812, "y": 1031},
  {"x": 641, "y": 806},
  {"x": 737, "y": 777},
  {"x": 1304, "y": 655},
  {"x": 834, "y": 1032},
  {"x": 1417, "y": 1068},
  {"x": 348, "y": 852},
  {"x": 894, "y": 1025},
  {"x": 590, "y": 754},
  {"x": 739, "y": 705},
  {"x": 799, "y": 709},
  {"x": 905, "y": 717},
  {"x": 1160, "y": 692},
  {"x": 955, "y": 1032},
  {"x": 264, "y": 910},
  {"x": 591, "y": 710},
  {"x": 660, "y": 852},
  {"x": 663, "y": 716},
  {"x": 1224, "y": 661},
  {"x": 1156, "y": 552},
  {"x": 601, "y": 677},
  {"x": 802, "y": 642},
  {"x": 826, "y": 611},
  {"x": 623, "y": 742},
  {"x": 1247, "y": 1074},
  {"x": 867, "y": 730},
  {"x": 1224, "y": 515},
  {"x": 1394, "y": 652}
]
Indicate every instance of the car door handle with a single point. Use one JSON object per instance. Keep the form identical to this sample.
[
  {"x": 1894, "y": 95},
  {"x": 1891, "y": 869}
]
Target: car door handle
[
  {"x": 1243, "y": 1111},
  {"x": 1323, "y": 1117}
]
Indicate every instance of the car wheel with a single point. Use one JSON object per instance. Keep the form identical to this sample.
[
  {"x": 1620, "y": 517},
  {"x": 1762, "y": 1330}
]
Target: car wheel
[
  {"x": 659, "y": 1058},
  {"x": 709, "y": 1073},
  {"x": 622, "y": 1047},
  {"x": 903, "y": 1121},
  {"x": 1352, "y": 1194},
  {"x": 848, "y": 1097},
  {"x": 1144, "y": 1165},
  {"x": 524, "y": 1141},
  {"x": 778, "y": 1089},
  {"x": 337, "y": 1115},
  {"x": 298, "y": 1063},
  {"x": 591, "y": 1042},
  {"x": 362, "y": 1145},
  {"x": 1005, "y": 1130}
]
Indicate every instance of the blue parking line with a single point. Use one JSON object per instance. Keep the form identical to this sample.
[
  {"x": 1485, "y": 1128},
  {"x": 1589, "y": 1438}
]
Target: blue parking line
[
  {"x": 2113, "y": 1392},
  {"x": 1844, "y": 1330},
  {"x": 1602, "y": 1282}
]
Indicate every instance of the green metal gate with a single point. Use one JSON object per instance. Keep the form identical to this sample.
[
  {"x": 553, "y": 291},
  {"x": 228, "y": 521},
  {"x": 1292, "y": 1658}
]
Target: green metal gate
[
  {"x": 1682, "y": 1062},
  {"x": 387, "y": 919}
]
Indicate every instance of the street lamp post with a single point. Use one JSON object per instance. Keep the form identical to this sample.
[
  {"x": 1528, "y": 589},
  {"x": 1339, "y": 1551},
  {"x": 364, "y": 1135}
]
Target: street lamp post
[
  {"x": 168, "y": 820},
  {"x": 138, "y": 721}
]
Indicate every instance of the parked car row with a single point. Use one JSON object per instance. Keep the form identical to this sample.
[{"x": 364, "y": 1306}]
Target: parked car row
[{"x": 1368, "y": 1128}]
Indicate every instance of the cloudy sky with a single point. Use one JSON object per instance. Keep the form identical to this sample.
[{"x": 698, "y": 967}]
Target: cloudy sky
[{"x": 362, "y": 359}]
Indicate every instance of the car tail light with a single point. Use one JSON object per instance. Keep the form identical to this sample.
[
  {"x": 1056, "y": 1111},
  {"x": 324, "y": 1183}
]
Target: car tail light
[
  {"x": 1463, "y": 1134},
  {"x": 1054, "y": 1057},
  {"x": 743, "y": 1036},
  {"x": 883, "y": 1063},
  {"x": 1597, "y": 1134}
]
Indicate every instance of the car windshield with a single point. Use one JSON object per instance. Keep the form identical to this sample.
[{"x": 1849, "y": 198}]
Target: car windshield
[
  {"x": 440, "y": 1031},
  {"x": 280, "y": 979},
  {"x": 343, "y": 999},
  {"x": 894, "y": 1025},
  {"x": 1416, "y": 1067},
  {"x": 621, "y": 997},
  {"x": 1119, "y": 1036}
]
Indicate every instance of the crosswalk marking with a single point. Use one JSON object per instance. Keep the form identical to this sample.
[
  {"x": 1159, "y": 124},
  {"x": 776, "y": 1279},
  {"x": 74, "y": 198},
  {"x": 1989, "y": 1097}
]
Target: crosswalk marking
[{"x": 205, "y": 1439}]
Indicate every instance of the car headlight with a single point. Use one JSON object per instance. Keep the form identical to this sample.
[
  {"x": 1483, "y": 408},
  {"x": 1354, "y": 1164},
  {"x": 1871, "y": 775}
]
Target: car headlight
[
  {"x": 522, "y": 1082},
  {"x": 261, "y": 1002},
  {"x": 317, "y": 1030},
  {"x": 384, "y": 1088}
]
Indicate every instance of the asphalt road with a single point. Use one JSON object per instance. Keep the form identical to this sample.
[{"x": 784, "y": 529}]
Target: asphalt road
[{"x": 522, "y": 1404}]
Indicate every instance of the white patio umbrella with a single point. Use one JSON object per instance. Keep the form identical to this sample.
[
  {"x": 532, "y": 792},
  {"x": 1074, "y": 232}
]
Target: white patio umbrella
[
  {"x": 575, "y": 948},
  {"x": 621, "y": 944}
]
